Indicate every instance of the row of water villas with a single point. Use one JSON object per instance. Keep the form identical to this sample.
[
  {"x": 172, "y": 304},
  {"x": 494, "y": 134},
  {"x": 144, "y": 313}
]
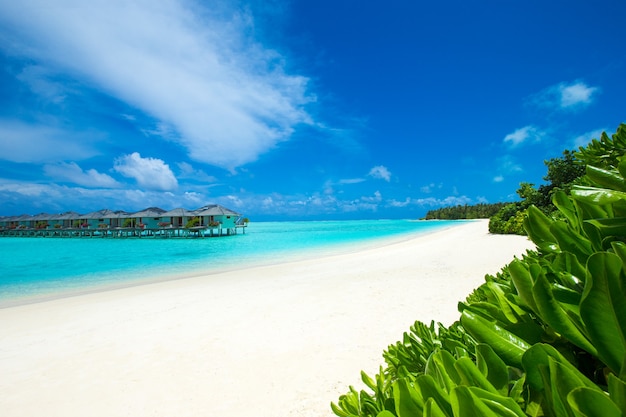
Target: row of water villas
[{"x": 207, "y": 221}]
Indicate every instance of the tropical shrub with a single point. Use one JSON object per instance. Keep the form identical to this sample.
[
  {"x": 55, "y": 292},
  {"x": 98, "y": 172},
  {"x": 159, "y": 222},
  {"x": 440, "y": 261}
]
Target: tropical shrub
[
  {"x": 563, "y": 173},
  {"x": 546, "y": 336},
  {"x": 195, "y": 221}
]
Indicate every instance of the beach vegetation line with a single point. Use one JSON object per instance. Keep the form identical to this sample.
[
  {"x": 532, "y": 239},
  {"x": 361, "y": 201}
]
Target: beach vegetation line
[
  {"x": 464, "y": 212},
  {"x": 563, "y": 173},
  {"x": 546, "y": 336}
]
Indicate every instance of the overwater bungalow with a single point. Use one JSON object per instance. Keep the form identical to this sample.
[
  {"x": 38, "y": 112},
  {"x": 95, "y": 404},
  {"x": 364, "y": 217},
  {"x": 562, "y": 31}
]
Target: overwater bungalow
[
  {"x": 100, "y": 219},
  {"x": 217, "y": 216},
  {"x": 147, "y": 218},
  {"x": 69, "y": 219},
  {"x": 210, "y": 220},
  {"x": 177, "y": 217}
]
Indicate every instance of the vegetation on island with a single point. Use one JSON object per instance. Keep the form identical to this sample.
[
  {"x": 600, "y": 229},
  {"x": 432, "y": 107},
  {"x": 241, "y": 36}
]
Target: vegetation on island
[
  {"x": 477, "y": 211},
  {"x": 546, "y": 336}
]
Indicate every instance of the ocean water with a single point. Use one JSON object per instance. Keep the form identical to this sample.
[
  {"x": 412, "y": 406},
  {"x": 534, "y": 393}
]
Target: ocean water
[{"x": 32, "y": 268}]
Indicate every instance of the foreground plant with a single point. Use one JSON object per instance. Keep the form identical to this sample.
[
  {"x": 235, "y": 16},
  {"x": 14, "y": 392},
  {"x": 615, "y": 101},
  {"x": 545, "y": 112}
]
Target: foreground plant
[{"x": 544, "y": 337}]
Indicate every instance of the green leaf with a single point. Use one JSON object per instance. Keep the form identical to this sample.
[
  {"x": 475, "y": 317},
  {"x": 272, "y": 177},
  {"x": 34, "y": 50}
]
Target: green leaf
[
  {"x": 591, "y": 210},
  {"x": 471, "y": 376},
  {"x": 607, "y": 179},
  {"x": 586, "y": 402},
  {"x": 620, "y": 250},
  {"x": 510, "y": 311},
  {"x": 475, "y": 402},
  {"x": 465, "y": 404},
  {"x": 565, "y": 206},
  {"x": 440, "y": 366},
  {"x": 409, "y": 401},
  {"x": 429, "y": 389},
  {"x": 386, "y": 413},
  {"x": 621, "y": 167},
  {"x": 572, "y": 274},
  {"x": 571, "y": 241},
  {"x": 505, "y": 344},
  {"x": 537, "y": 226},
  {"x": 596, "y": 196},
  {"x": 431, "y": 409},
  {"x": 617, "y": 391},
  {"x": 540, "y": 356},
  {"x": 499, "y": 404},
  {"x": 494, "y": 368},
  {"x": 523, "y": 282},
  {"x": 552, "y": 313},
  {"x": 614, "y": 226},
  {"x": 603, "y": 308}
]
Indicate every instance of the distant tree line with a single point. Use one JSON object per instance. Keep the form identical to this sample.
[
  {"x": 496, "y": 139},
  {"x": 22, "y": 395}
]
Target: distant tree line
[
  {"x": 460, "y": 212},
  {"x": 563, "y": 173}
]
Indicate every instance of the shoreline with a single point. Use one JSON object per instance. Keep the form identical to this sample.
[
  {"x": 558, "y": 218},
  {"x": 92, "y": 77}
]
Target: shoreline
[
  {"x": 280, "y": 339},
  {"x": 152, "y": 277}
]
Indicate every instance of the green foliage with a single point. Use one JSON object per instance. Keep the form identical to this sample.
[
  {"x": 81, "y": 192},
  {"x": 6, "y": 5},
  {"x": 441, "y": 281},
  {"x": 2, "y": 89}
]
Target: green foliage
[
  {"x": 563, "y": 173},
  {"x": 544, "y": 337},
  {"x": 606, "y": 152},
  {"x": 193, "y": 222},
  {"x": 478, "y": 211},
  {"x": 509, "y": 220}
]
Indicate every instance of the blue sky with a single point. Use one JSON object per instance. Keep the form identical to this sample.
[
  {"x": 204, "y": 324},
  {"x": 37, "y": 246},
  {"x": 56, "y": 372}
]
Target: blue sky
[{"x": 298, "y": 109}]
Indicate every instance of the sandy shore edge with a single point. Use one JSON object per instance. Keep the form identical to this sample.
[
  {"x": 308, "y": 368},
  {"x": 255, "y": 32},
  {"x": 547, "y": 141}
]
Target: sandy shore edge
[{"x": 282, "y": 339}]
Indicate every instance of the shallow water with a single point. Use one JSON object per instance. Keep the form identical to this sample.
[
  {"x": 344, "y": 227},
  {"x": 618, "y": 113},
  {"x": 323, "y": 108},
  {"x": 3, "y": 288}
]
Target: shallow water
[{"x": 47, "y": 266}]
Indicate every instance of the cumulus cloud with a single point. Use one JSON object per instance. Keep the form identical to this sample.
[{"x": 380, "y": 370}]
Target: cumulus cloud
[
  {"x": 524, "y": 135},
  {"x": 71, "y": 172},
  {"x": 498, "y": 178},
  {"x": 380, "y": 172},
  {"x": 197, "y": 71},
  {"x": 564, "y": 96},
  {"x": 151, "y": 173}
]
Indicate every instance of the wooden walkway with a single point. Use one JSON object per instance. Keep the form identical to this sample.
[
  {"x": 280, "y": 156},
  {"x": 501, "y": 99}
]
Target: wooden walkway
[{"x": 126, "y": 232}]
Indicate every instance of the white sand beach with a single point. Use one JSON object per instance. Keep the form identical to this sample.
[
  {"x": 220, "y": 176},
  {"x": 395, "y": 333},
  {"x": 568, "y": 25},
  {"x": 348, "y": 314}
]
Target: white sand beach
[{"x": 278, "y": 340}]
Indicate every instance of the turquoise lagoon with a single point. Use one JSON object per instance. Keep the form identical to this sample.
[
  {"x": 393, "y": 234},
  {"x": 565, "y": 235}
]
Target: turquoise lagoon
[{"x": 35, "y": 268}]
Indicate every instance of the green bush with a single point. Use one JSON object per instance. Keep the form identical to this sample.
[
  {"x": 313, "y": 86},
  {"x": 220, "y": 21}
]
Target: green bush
[
  {"x": 509, "y": 220},
  {"x": 193, "y": 222},
  {"x": 544, "y": 337},
  {"x": 563, "y": 173}
]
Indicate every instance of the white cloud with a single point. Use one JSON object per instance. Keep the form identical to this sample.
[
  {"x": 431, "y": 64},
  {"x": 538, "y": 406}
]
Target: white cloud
[
  {"x": 20, "y": 142},
  {"x": 351, "y": 181},
  {"x": 430, "y": 188},
  {"x": 576, "y": 94},
  {"x": 498, "y": 178},
  {"x": 524, "y": 135},
  {"x": 197, "y": 70},
  {"x": 151, "y": 173},
  {"x": 376, "y": 198},
  {"x": 380, "y": 172},
  {"x": 564, "y": 96},
  {"x": 585, "y": 138},
  {"x": 189, "y": 172},
  {"x": 73, "y": 173},
  {"x": 430, "y": 202}
]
